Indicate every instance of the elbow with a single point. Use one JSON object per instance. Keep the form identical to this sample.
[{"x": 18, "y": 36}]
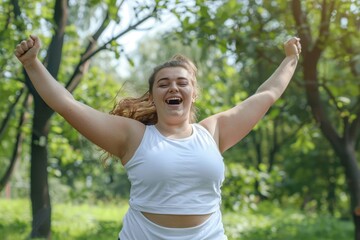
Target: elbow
[{"x": 270, "y": 96}]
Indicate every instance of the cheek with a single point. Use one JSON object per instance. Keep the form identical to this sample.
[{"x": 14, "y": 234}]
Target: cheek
[
  {"x": 193, "y": 93},
  {"x": 194, "y": 88},
  {"x": 157, "y": 95}
]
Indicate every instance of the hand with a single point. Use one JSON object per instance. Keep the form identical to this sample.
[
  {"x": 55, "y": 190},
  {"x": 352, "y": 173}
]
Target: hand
[
  {"x": 292, "y": 47},
  {"x": 26, "y": 51}
]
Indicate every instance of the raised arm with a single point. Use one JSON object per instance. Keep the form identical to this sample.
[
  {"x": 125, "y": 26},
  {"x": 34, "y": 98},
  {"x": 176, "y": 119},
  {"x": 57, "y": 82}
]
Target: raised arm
[
  {"x": 114, "y": 134},
  {"x": 229, "y": 127}
]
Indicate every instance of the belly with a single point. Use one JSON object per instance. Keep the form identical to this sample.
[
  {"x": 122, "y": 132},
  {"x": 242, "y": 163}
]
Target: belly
[{"x": 177, "y": 221}]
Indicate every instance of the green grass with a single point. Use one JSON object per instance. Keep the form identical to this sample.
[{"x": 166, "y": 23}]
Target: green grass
[
  {"x": 103, "y": 222},
  {"x": 78, "y": 222}
]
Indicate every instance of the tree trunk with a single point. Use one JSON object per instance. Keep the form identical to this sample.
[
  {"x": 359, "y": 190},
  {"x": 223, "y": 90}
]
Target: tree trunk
[
  {"x": 41, "y": 206},
  {"x": 352, "y": 171},
  {"x": 40, "y": 198},
  {"x": 356, "y": 216},
  {"x": 343, "y": 145}
]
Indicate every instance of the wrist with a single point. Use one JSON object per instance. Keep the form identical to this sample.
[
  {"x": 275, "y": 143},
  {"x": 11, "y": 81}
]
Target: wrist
[
  {"x": 30, "y": 63},
  {"x": 293, "y": 56}
]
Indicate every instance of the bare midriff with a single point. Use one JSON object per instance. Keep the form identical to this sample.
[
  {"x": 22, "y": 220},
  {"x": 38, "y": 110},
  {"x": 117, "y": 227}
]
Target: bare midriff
[{"x": 177, "y": 221}]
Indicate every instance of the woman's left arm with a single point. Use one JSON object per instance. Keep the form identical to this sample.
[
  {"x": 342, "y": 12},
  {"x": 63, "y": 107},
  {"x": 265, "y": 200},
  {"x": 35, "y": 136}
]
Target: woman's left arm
[{"x": 230, "y": 126}]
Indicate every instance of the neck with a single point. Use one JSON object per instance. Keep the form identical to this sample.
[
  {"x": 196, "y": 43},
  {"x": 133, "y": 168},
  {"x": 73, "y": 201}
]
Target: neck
[{"x": 174, "y": 130}]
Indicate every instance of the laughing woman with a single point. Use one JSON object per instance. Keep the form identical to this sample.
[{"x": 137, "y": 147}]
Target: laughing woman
[{"x": 174, "y": 164}]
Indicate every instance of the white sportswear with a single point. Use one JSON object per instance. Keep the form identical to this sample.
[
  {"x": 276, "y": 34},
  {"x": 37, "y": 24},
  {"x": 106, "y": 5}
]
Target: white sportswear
[
  {"x": 137, "y": 227},
  {"x": 176, "y": 176}
]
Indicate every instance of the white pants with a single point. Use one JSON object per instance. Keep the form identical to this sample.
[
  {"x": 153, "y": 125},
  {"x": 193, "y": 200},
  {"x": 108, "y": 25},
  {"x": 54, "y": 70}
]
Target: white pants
[{"x": 137, "y": 227}]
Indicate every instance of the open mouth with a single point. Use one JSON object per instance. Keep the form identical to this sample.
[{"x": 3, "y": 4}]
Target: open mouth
[{"x": 173, "y": 101}]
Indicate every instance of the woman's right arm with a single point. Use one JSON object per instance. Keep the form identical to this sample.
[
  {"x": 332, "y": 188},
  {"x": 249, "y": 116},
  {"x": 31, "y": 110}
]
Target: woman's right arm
[{"x": 114, "y": 134}]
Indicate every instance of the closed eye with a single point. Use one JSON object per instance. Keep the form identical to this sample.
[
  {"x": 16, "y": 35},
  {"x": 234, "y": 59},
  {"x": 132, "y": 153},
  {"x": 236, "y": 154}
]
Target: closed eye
[{"x": 183, "y": 83}]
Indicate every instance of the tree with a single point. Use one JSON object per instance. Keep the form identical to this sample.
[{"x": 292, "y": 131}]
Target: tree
[
  {"x": 56, "y": 16},
  {"x": 335, "y": 110},
  {"x": 329, "y": 65},
  {"x": 247, "y": 37}
]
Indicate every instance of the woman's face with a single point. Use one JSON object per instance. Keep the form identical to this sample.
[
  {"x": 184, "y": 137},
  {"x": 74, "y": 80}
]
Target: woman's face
[{"x": 173, "y": 94}]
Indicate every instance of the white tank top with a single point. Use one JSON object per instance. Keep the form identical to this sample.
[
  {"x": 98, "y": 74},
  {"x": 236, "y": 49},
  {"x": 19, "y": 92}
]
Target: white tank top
[{"x": 176, "y": 176}]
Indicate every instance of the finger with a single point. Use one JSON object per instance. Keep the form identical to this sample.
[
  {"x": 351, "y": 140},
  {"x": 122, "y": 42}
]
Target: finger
[
  {"x": 18, "y": 53},
  {"x": 296, "y": 40},
  {"x": 291, "y": 40},
  {"x": 36, "y": 40},
  {"x": 30, "y": 43},
  {"x": 24, "y": 45},
  {"x": 18, "y": 50},
  {"x": 34, "y": 37}
]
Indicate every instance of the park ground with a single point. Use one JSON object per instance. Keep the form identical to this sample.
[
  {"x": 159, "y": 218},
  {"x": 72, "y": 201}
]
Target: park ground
[{"x": 102, "y": 221}]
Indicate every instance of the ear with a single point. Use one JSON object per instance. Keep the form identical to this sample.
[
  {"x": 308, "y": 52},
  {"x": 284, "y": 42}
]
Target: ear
[
  {"x": 194, "y": 97},
  {"x": 151, "y": 99}
]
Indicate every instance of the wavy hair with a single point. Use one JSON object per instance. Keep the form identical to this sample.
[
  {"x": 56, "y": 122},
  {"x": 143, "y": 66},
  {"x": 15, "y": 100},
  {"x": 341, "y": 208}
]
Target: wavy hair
[{"x": 141, "y": 108}]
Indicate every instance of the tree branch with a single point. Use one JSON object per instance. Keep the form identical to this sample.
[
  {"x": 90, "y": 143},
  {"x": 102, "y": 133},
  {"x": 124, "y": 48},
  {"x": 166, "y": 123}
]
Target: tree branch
[
  {"x": 54, "y": 54},
  {"x": 6, "y": 120},
  {"x": 301, "y": 23},
  {"x": 355, "y": 127},
  {"x": 331, "y": 96},
  {"x": 130, "y": 28},
  {"x": 324, "y": 26},
  {"x": 16, "y": 10},
  {"x": 17, "y": 145},
  {"x": 84, "y": 59},
  {"x": 311, "y": 59},
  {"x": 89, "y": 52}
]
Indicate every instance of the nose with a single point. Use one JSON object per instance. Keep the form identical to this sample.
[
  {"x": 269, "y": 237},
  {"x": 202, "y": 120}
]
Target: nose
[{"x": 173, "y": 87}]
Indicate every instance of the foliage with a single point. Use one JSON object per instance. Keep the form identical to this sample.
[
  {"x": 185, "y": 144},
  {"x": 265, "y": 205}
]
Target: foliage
[
  {"x": 102, "y": 221},
  {"x": 75, "y": 161},
  {"x": 249, "y": 34},
  {"x": 271, "y": 221},
  {"x": 68, "y": 150},
  {"x": 236, "y": 46}
]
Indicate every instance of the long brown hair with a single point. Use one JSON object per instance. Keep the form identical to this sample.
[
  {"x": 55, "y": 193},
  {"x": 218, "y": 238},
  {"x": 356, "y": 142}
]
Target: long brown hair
[{"x": 141, "y": 108}]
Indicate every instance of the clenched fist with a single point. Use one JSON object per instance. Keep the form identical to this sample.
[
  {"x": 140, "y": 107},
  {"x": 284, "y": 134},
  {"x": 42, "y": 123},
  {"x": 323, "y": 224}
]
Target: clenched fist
[
  {"x": 293, "y": 47},
  {"x": 26, "y": 51}
]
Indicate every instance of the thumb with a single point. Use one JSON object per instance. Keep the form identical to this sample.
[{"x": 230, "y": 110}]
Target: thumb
[{"x": 36, "y": 39}]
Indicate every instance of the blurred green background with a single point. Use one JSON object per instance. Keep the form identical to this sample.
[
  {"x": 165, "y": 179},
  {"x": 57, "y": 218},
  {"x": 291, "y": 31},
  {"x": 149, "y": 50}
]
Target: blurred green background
[{"x": 295, "y": 176}]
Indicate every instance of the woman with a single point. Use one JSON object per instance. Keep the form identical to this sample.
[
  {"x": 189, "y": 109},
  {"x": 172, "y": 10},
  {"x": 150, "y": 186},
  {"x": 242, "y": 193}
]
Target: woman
[{"x": 174, "y": 164}]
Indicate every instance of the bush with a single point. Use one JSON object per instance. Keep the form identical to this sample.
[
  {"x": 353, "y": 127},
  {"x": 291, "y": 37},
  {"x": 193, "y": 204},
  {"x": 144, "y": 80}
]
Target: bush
[{"x": 271, "y": 222}]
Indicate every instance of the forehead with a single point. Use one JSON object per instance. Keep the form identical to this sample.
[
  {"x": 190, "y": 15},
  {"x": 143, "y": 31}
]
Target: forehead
[{"x": 172, "y": 73}]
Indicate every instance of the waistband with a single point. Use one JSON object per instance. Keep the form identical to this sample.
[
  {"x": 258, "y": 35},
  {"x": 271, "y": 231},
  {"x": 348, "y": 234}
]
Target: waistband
[{"x": 137, "y": 226}]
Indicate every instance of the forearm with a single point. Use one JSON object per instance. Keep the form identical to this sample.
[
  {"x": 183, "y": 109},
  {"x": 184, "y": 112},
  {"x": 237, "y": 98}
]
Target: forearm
[
  {"x": 279, "y": 80},
  {"x": 50, "y": 90}
]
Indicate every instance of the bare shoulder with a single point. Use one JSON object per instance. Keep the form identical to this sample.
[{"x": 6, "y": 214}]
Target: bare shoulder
[
  {"x": 210, "y": 124},
  {"x": 135, "y": 132}
]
